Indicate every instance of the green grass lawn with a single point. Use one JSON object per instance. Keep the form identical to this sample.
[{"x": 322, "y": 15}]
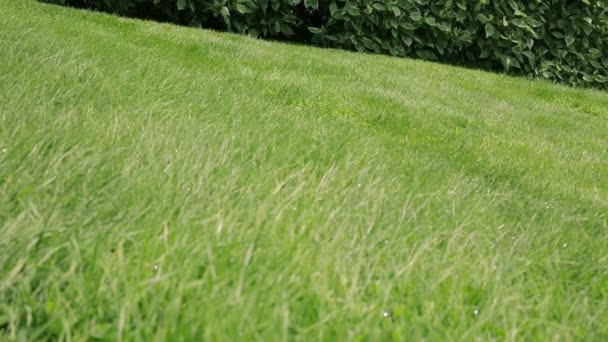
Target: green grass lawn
[{"x": 160, "y": 182}]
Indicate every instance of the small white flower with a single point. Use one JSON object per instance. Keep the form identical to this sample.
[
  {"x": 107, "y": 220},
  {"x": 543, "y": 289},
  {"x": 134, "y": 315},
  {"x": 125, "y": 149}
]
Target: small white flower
[
  {"x": 4, "y": 150},
  {"x": 156, "y": 267},
  {"x": 476, "y": 312},
  {"x": 387, "y": 314}
]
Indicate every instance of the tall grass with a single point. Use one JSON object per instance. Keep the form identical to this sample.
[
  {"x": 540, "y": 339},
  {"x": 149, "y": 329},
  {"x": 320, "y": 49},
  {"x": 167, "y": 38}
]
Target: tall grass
[{"x": 158, "y": 182}]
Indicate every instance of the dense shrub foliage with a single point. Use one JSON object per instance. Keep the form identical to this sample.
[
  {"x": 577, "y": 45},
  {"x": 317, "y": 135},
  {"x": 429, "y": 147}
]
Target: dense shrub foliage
[{"x": 562, "y": 40}]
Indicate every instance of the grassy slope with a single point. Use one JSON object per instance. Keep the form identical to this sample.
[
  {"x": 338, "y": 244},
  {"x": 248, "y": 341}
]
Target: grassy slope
[{"x": 160, "y": 181}]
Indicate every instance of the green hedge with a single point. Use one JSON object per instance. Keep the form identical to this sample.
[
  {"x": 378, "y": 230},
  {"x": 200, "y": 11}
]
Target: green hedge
[{"x": 560, "y": 40}]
